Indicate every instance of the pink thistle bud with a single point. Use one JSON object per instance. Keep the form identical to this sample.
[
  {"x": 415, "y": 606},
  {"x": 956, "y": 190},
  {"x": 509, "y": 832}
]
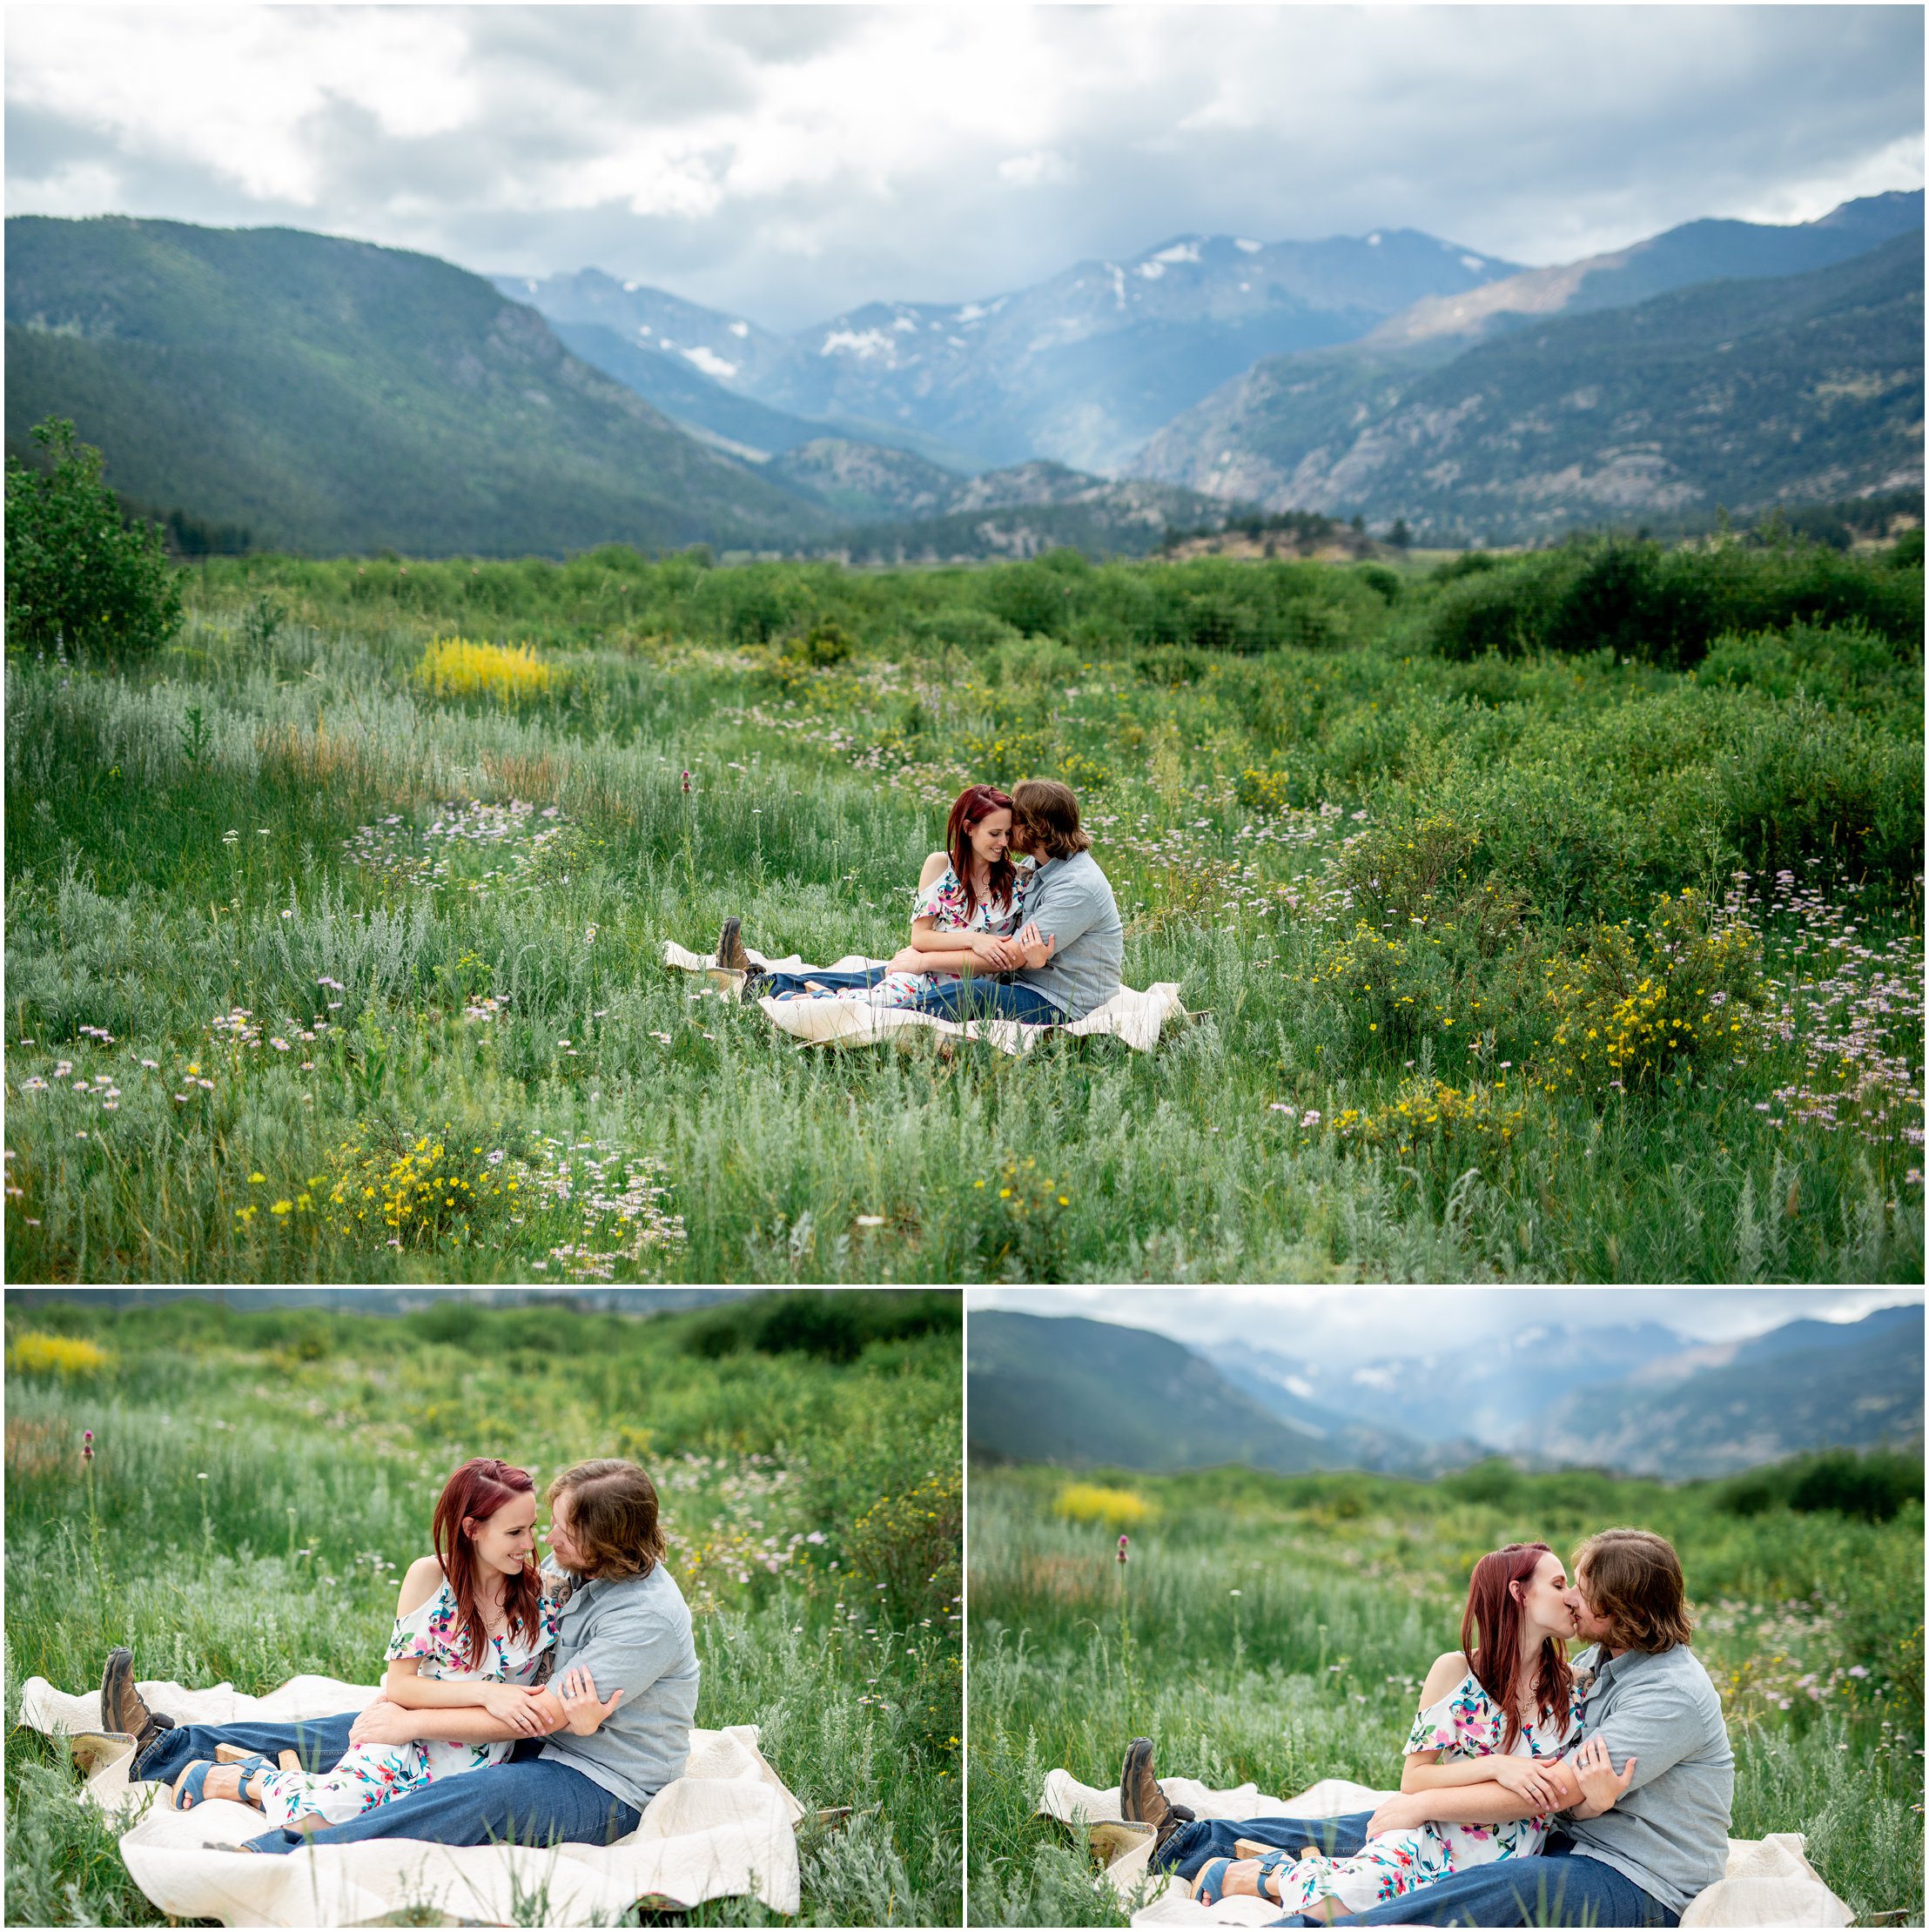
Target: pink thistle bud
[
  {"x": 685, "y": 780},
  {"x": 1123, "y": 1541}
]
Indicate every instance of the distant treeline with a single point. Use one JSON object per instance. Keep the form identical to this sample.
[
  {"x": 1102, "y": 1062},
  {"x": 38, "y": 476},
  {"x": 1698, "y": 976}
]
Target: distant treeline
[
  {"x": 834, "y": 1327},
  {"x": 1875, "y": 1486},
  {"x": 1639, "y": 599}
]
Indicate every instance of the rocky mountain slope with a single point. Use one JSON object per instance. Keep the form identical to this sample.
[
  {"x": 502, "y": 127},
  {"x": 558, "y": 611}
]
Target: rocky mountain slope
[
  {"x": 1742, "y": 393},
  {"x": 334, "y": 396}
]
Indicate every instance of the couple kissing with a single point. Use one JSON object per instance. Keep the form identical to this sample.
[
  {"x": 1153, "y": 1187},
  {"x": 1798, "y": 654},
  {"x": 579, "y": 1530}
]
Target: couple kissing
[{"x": 1535, "y": 1791}]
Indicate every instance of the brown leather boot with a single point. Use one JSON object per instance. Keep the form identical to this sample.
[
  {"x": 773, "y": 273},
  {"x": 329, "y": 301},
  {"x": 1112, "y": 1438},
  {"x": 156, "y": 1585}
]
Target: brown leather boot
[
  {"x": 729, "y": 947},
  {"x": 1140, "y": 1801},
  {"x": 122, "y": 1706}
]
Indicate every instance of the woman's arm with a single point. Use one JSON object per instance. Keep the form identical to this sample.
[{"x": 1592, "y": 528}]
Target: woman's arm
[
  {"x": 386, "y": 1722},
  {"x": 1486, "y": 1803},
  {"x": 907, "y": 960},
  {"x": 509, "y": 1703},
  {"x": 1524, "y": 1777}
]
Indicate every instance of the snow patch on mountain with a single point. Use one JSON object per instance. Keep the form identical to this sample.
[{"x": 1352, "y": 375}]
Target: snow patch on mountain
[
  {"x": 1152, "y": 269},
  {"x": 1180, "y": 252},
  {"x": 740, "y": 330},
  {"x": 862, "y": 343},
  {"x": 711, "y": 363},
  {"x": 1247, "y": 247}
]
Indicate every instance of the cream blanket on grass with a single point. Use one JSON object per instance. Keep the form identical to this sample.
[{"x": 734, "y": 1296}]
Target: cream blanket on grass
[
  {"x": 1134, "y": 1017},
  {"x": 724, "y": 1828},
  {"x": 1768, "y": 1882}
]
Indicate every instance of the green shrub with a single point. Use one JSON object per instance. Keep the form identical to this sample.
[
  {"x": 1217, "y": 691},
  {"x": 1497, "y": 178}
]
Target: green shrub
[
  {"x": 1847, "y": 666},
  {"x": 1665, "y": 606},
  {"x": 74, "y": 572},
  {"x": 834, "y": 1327},
  {"x": 962, "y": 627},
  {"x": 1873, "y": 1487}
]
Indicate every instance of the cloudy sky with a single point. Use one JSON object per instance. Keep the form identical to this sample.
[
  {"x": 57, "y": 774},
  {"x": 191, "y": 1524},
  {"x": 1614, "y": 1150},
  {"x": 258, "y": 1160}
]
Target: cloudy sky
[
  {"x": 788, "y": 163},
  {"x": 1357, "y": 1324}
]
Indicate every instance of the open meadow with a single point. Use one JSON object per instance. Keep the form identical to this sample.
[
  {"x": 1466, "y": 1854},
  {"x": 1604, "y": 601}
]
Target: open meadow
[
  {"x": 1556, "y": 916},
  {"x": 1278, "y": 1629},
  {"x": 262, "y": 1478}
]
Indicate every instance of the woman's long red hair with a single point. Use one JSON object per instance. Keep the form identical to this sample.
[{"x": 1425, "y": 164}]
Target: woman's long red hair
[
  {"x": 973, "y": 804},
  {"x": 1491, "y": 1635},
  {"x": 482, "y": 1487}
]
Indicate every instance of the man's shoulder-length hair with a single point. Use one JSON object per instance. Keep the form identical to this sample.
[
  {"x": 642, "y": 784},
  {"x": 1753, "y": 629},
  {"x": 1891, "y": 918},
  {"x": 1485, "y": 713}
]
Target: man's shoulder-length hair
[
  {"x": 611, "y": 1516},
  {"x": 1634, "y": 1581},
  {"x": 1049, "y": 812}
]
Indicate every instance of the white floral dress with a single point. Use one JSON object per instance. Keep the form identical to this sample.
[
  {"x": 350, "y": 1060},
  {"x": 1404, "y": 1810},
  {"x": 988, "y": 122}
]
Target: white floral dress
[
  {"x": 943, "y": 901},
  {"x": 1466, "y": 1723},
  {"x": 371, "y": 1774}
]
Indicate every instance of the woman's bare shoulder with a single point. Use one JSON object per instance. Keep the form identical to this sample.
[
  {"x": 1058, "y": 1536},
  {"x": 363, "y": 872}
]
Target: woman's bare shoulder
[
  {"x": 934, "y": 868},
  {"x": 420, "y": 1581},
  {"x": 1448, "y": 1669}
]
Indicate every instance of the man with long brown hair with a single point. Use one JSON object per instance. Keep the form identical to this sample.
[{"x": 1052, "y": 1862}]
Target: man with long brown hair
[{"x": 1635, "y": 1858}]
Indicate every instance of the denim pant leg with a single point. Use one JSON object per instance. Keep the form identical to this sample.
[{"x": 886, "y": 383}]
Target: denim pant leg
[
  {"x": 537, "y": 1802},
  {"x": 1560, "y": 1886},
  {"x": 987, "y": 999},
  {"x": 774, "y": 983},
  {"x": 321, "y": 1741},
  {"x": 1189, "y": 1848}
]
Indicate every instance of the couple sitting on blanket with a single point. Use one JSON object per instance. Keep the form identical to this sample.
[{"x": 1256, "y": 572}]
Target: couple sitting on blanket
[
  {"x": 1510, "y": 1810},
  {"x": 1040, "y": 941},
  {"x": 496, "y": 1667}
]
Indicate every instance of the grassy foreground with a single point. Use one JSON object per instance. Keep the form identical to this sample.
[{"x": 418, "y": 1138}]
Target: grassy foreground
[
  {"x": 1278, "y": 1629},
  {"x": 1559, "y": 921},
  {"x": 261, "y": 1479}
]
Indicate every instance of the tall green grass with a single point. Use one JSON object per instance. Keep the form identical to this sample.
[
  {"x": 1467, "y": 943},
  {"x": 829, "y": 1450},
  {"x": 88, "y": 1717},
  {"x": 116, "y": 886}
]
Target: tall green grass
[
  {"x": 261, "y": 1481},
  {"x": 190, "y": 839},
  {"x": 1278, "y": 1629}
]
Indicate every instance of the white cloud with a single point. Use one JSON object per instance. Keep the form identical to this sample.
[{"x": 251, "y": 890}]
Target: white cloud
[
  {"x": 789, "y": 163},
  {"x": 1040, "y": 166}
]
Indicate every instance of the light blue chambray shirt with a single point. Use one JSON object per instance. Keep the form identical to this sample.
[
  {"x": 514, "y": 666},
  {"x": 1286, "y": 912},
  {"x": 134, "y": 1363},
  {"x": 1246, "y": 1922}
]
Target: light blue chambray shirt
[
  {"x": 1070, "y": 900},
  {"x": 1668, "y": 1832},
  {"x": 634, "y": 1632}
]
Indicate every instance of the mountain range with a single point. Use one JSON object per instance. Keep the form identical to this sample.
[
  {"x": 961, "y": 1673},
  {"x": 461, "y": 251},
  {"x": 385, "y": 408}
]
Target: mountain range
[
  {"x": 333, "y": 396},
  {"x": 1080, "y": 368},
  {"x": 1642, "y": 1400},
  {"x": 1742, "y": 393}
]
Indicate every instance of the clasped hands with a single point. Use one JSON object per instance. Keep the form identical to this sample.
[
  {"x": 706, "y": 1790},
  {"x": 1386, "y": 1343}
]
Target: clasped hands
[
  {"x": 988, "y": 951},
  {"x": 1550, "y": 1784},
  {"x": 532, "y": 1710}
]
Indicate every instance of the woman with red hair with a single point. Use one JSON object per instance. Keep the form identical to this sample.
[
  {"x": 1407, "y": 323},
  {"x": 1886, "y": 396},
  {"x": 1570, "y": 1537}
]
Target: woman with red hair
[
  {"x": 473, "y": 1628},
  {"x": 970, "y": 902},
  {"x": 1502, "y": 1708}
]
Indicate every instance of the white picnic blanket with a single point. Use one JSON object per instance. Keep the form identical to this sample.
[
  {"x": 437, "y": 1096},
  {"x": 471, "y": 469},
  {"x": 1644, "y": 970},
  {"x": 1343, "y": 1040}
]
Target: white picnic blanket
[
  {"x": 725, "y": 1828},
  {"x": 1769, "y": 1880},
  {"x": 1134, "y": 1017}
]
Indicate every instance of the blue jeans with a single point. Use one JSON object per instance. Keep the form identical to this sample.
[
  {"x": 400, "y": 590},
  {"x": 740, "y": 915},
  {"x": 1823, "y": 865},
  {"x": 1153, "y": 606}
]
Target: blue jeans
[
  {"x": 1560, "y": 1886},
  {"x": 528, "y": 1801},
  {"x": 772, "y": 985},
  {"x": 989, "y": 999},
  {"x": 321, "y": 1743},
  {"x": 1189, "y": 1848}
]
